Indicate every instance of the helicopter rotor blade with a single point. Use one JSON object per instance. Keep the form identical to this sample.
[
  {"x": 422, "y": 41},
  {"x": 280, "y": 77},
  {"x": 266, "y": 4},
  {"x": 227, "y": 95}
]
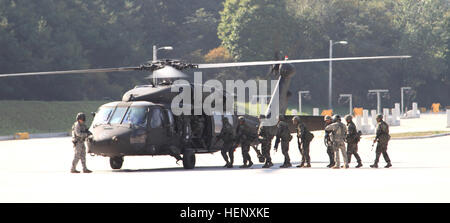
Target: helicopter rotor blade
[
  {"x": 261, "y": 63},
  {"x": 103, "y": 70},
  {"x": 167, "y": 72}
]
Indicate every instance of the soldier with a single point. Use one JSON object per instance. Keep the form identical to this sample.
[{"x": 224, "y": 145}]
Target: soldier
[
  {"x": 79, "y": 134},
  {"x": 227, "y": 136},
  {"x": 245, "y": 136},
  {"x": 338, "y": 131},
  {"x": 382, "y": 138},
  {"x": 352, "y": 141},
  {"x": 266, "y": 135},
  {"x": 283, "y": 135},
  {"x": 328, "y": 142},
  {"x": 304, "y": 138}
]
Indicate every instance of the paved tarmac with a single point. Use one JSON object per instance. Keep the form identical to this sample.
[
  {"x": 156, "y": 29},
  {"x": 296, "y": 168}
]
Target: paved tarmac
[{"x": 38, "y": 171}]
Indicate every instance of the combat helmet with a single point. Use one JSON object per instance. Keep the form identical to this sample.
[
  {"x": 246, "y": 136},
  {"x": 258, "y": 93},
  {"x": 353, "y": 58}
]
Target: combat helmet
[
  {"x": 336, "y": 118},
  {"x": 327, "y": 117},
  {"x": 296, "y": 118},
  {"x": 348, "y": 118},
  {"x": 81, "y": 116},
  {"x": 241, "y": 119},
  {"x": 379, "y": 116}
]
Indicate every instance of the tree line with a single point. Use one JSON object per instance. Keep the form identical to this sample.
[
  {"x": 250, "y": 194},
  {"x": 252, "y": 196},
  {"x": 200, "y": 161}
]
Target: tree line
[{"x": 75, "y": 34}]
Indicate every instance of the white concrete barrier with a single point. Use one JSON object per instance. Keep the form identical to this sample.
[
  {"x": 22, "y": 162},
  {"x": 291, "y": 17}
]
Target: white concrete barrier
[
  {"x": 358, "y": 122},
  {"x": 373, "y": 114},
  {"x": 448, "y": 118},
  {"x": 366, "y": 128},
  {"x": 414, "y": 113},
  {"x": 386, "y": 116},
  {"x": 395, "y": 117},
  {"x": 315, "y": 111}
]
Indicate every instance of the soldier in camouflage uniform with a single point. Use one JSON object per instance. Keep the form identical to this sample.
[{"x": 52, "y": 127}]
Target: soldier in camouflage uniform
[
  {"x": 245, "y": 136},
  {"x": 352, "y": 141},
  {"x": 227, "y": 136},
  {"x": 304, "y": 137},
  {"x": 328, "y": 143},
  {"x": 382, "y": 138},
  {"x": 266, "y": 135},
  {"x": 283, "y": 135},
  {"x": 79, "y": 134},
  {"x": 338, "y": 134}
]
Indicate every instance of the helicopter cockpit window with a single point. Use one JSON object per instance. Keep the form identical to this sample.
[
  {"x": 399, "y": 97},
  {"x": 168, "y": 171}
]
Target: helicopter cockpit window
[
  {"x": 156, "y": 118},
  {"x": 118, "y": 115},
  {"x": 102, "y": 116},
  {"x": 136, "y": 116}
]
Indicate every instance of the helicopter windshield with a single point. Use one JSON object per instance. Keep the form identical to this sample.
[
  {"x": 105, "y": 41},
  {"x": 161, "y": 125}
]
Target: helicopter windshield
[
  {"x": 136, "y": 116},
  {"x": 118, "y": 115},
  {"x": 102, "y": 116}
]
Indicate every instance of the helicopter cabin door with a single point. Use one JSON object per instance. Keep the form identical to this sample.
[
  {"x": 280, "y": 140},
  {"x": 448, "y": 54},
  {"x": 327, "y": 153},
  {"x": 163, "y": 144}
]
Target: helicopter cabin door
[{"x": 157, "y": 131}]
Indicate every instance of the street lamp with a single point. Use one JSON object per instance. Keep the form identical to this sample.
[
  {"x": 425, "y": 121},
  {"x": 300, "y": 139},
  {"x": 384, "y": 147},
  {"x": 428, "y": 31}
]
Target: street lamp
[
  {"x": 378, "y": 92},
  {"x": 330, "y": 86},
  {"x": 155, "y": 58},
  {"x": 402, "y": 89},
  {"x": 350, "y": 96},
  {"x": 300, "y": 100}
]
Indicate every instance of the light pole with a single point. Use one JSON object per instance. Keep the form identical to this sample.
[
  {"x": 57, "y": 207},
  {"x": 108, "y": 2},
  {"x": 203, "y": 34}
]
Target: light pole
[
  {"x": 402, "y": 89},
  {"x": 378, "y": 92},
  {"x": 300, "y": 100},
  {"x": 155, "y": 57},
  {"x": 350, "y": 96},
  {"x": 330, "y": 85}
]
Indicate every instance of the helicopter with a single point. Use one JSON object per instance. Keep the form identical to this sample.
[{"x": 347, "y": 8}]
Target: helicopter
[{"x": 143, "y": 123}]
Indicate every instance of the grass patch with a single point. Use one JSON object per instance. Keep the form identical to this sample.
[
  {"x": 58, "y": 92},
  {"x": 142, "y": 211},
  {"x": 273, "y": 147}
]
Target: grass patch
[
  {"x": 415, "y": 134},
  {"x": 42, "y": 116}
]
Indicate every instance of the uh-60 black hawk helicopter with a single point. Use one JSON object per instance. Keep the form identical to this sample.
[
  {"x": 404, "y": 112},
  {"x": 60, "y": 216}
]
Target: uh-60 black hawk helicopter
[{"x": 144, "y": 124}]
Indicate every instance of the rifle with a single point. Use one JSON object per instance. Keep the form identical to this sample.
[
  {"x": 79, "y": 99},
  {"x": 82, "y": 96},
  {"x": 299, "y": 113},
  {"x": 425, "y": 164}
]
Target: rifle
[{"x": 277, "y": 142}]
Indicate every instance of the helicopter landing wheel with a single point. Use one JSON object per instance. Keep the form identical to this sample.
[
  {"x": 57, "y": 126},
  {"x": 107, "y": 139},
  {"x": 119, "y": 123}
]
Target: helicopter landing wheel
[
  {"x": 189, "y": 159},
  {"x": 116, "y": 162}
]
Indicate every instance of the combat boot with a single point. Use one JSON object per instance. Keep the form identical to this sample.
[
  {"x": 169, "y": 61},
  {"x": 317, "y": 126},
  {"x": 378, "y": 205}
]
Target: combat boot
[
  {"x": 308, "y": 165},
  {"x": 250, "y": 164},
  {"x": 302, "y": 164},
  {"x": 243, "y": 166},
  {"x": 230, "y": 165},
  {"x": 374, "y": 165},
  {"x": 227, "y": 164},
  {"x": 87, "y": 171},
  {"x": 336, "y": 167},
  {"x": 359, "y": 165},
  {"x": 388, "y": 165},
  {"x": 270, "y": 164},
  {"x": 286, "y": 165},
  {"x": 74, "y": 171}
]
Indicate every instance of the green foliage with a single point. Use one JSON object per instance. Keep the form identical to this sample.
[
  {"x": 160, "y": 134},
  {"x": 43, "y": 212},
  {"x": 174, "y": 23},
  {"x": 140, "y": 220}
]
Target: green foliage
[
  {"x": 42, "y": 117},
  {"x": 72, "y": 34}
]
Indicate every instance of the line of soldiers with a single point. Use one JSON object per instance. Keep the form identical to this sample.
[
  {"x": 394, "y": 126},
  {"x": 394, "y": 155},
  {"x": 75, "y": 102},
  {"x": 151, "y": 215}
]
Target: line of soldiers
[{"x": 336, "y": 135}]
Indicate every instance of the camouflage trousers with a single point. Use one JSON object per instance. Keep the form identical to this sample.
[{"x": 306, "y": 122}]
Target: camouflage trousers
[
  {"x": 304, "y": 151},
  {"x": 245, "y": 153},
  {"x": 285, "y": 151},
  {"x": 330, "y": 153},
  {"x": 382, "y": 149},
  {"x": 352, "y": 149},
  {"x": 228, "y": 151},
  {"x": 339, "y": 146},
  {"x": 265, "y": 147},
  {"x": 80, "y": 154}
]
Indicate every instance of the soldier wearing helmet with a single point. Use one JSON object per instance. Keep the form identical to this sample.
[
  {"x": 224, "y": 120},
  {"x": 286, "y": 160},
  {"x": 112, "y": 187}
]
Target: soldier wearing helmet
[
  {"x": 382, "y": 137},
  {"x": 80, "y": 133},
  {"x": 227, "y": 136},
  {"x": 304, "y": 138},
  {"x": 245, "y": 136},
  {"x": 265, "y": 136},
  {"x": 284, "y": 136},
  {"x": 328, "y": 142},
  {"x": 352, "y": 141},
  {"x": 338, "y": 134}
]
